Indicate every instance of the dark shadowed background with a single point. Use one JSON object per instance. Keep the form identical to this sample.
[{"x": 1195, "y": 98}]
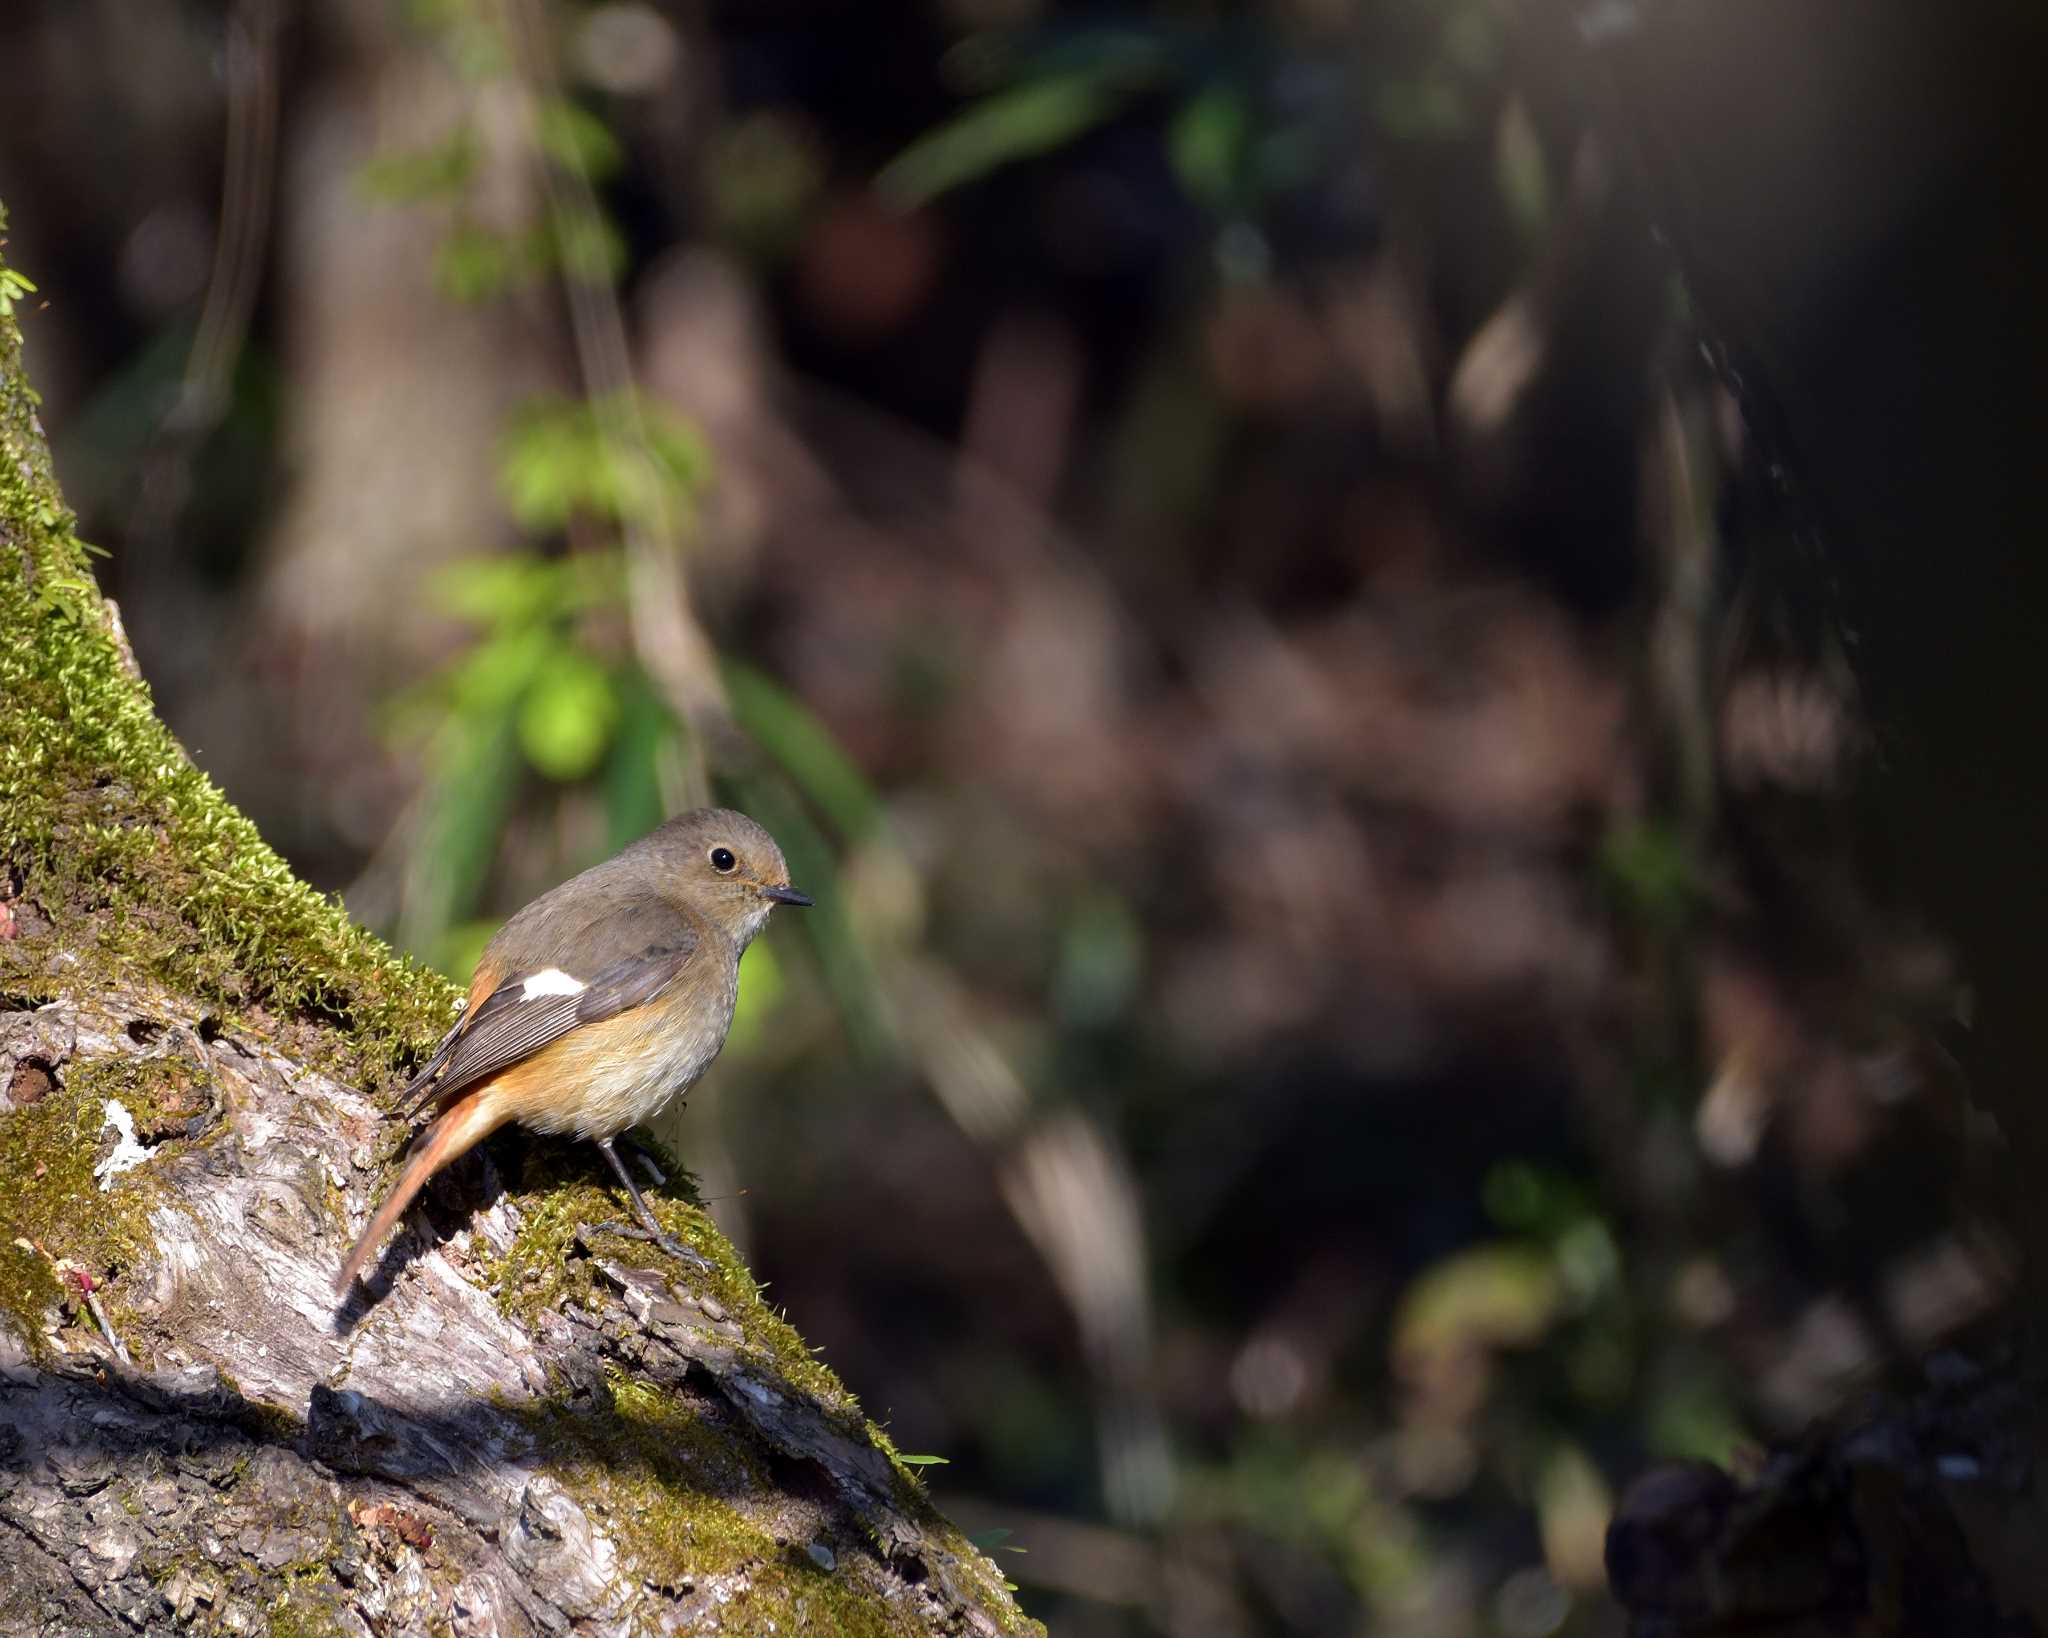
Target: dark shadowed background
[{"x": 1342, "y": 1020}]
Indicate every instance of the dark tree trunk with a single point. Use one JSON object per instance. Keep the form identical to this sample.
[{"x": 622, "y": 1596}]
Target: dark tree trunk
[{"x": 1852, "y": 193}]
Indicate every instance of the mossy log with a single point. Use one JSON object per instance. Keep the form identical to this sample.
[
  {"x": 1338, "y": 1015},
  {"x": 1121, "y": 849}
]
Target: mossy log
[{"x": 526, "y": 1426}]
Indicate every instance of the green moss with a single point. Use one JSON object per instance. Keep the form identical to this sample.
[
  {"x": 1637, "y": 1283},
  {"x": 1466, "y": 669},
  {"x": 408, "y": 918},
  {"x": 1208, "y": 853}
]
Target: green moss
[
  {"x": 49, "y": 1196},
  {"x": 138, "y": 860},
  {"x": 308, "y": 1607},
  {"x": 656, "y": 1473},
  {"x": 672, "y": 1488},
  {"x": 310, "y": 1604},
  {"x": 541, "y": 1270},
  {"x": 28, "y": 1289},
  {"x": 654, "y": 1470},
  {"x": 656, "y": 1454}
]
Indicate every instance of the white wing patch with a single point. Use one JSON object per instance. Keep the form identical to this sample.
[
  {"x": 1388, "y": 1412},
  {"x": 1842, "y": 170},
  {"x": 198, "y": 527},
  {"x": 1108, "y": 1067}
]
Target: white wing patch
[{"x": 551, "y": 981}]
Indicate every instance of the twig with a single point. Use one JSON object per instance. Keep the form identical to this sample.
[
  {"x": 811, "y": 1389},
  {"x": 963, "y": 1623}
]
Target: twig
[{"x": 78, "y": 1279}]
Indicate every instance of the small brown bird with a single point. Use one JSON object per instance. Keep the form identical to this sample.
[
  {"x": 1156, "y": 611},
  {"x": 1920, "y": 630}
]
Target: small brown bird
[{"x": 597, "y": 1003}]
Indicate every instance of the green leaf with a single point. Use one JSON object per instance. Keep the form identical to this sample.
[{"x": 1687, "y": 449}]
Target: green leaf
[
  {"x": 541, "y": 467},
  {"x": 13, "y": 286},
  {"x": 511, "y": 588},
  {"x": 1649, "y": 868},
  {"x": 1527, "y": 1198},
  {"x": 924, "y": 1461},
  {"x": 1006, "y": 127},
  {"x": 499, "y": 670},
  {"x": 521, "y": 588},
  {"x": 407, "y": 176},
  {"x": 632, "y": 783},
  {"x": 561, "y": 459},
  {"x": 1692, "y": 1414},
  {"x": 473, "y": 264},
  {"x": 588, "y": 247},
  {"x": 1489, "y": 1296},
  {"x": 474, "y": 774},
  {"x": 568, "y": 714},
  {"x": 1206, "y": 143},
  {"x": 763, "y": 174},
  {"x": 577, "y": 140}
]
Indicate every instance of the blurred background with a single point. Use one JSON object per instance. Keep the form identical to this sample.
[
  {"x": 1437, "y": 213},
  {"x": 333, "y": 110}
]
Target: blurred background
[{"x": 1344, "y": 1018}]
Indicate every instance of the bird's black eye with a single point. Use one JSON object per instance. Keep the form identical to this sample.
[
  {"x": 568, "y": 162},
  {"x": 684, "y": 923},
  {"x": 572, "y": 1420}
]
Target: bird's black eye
[{"x": 722, "y": 861}]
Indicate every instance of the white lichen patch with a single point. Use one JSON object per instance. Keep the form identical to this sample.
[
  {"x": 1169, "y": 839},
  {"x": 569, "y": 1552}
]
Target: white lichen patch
[{"x": 128, "y": 1151}]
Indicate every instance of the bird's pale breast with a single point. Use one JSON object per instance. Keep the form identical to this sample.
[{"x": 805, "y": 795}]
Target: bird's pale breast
[{"x": 597, "y": 1081}]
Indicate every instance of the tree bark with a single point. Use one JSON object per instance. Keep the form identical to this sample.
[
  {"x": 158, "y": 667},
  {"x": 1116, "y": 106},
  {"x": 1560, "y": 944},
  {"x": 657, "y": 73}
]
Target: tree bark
[{"x": 530, "y": 1425}]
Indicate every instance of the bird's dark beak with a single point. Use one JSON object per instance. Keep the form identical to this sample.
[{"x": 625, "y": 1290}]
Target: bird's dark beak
[{"x": 786, "y": 895}]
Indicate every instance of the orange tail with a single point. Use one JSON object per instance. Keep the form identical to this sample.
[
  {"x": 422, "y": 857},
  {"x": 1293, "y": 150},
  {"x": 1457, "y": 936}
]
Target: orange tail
[{"x": 458, "y": 1130}]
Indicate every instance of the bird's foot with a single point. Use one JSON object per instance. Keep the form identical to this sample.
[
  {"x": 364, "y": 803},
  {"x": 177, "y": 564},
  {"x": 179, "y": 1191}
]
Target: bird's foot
[{"x": 662, "y": 1242}]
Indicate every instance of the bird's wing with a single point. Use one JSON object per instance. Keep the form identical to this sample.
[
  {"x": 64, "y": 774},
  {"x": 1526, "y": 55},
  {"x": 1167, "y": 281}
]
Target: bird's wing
[
  {"x": 421, "y": 1086},
  {"x": 526, "y": 1011}
]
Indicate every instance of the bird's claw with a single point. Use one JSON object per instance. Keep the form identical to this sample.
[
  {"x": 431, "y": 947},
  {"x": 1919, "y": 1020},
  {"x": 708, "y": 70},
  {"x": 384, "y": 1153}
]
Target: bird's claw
[{"x": 667, "y": 1243}]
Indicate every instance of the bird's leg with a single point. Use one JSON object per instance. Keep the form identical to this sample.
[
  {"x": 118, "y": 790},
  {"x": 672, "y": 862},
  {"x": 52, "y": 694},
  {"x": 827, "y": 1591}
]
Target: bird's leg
[
  {"x": 645, "y": 1156},
  {"x": 650, "y": 1228}
]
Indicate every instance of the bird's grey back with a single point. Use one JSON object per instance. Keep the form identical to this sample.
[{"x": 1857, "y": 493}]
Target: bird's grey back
[{"x": 592, "y": 920}]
